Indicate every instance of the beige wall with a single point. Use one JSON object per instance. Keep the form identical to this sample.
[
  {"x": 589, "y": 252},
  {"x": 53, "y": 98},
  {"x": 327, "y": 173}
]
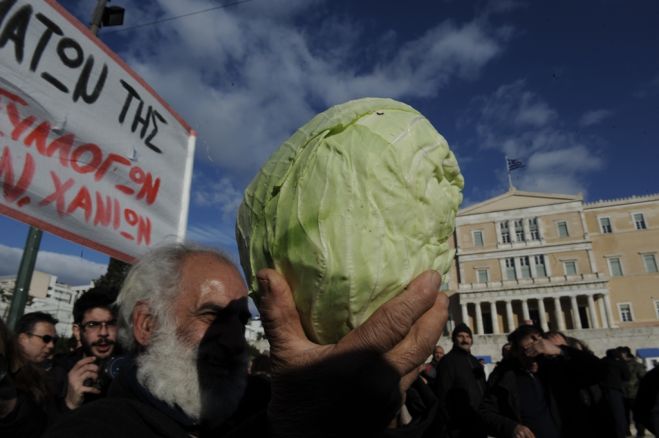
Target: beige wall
[
  {"x": 549, "y": 227},
  {"x": 466, "y": 236},
  {"x": 636, "y": 286},
  {"x": 556, "y": 260}
]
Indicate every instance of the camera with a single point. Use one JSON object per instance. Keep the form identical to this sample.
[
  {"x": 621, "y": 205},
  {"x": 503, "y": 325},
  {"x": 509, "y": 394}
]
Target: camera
[{"x": 108, "y": 369}]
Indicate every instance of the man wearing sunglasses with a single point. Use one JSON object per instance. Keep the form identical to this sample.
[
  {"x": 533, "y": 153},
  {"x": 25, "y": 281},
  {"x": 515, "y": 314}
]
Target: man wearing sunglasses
[
  {"x": 80, "y": 376},
  {"x": 37, "y": 337}
]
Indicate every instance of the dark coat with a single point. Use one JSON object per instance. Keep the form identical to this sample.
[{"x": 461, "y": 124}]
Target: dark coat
[
  {"x": 646, "y": 407},
  {"x": 562, "y": 377},
  {"x": 460, "y": 386}
]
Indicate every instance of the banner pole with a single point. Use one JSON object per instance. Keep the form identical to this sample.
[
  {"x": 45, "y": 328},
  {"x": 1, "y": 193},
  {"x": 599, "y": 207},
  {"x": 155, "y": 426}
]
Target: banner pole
[{"x": 24, "y": 276}]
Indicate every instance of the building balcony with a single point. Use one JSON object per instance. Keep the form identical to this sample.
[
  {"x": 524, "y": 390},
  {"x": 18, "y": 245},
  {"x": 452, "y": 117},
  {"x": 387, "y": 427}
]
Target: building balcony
[{"x": 525, "y": 283}]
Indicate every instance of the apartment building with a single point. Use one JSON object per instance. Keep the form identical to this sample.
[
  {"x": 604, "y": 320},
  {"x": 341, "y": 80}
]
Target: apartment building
[{"x": 557, "y": 261}]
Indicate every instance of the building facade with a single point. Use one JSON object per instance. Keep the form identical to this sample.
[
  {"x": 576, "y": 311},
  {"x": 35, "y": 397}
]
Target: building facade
[
  {"x": 46, "y": 295},
  {"x": 557, "y": 261}
]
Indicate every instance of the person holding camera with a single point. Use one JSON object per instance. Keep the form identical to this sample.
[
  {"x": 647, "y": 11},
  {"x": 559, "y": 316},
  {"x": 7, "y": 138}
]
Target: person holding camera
[{"x": 83, "y": 376}]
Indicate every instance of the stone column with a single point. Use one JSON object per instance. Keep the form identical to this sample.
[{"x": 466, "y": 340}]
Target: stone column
[
  {"x": 543, "y": 315},
  {"x": 479, "y": 320},
  {"x": 591, "y": 311},
  {"x": 495, "y": 319},
  {"x": 560, "y": 317},
  {"x": 525, "y": 310},
  {"x": 497, "y": 227},
  {"x": 465, "y": 313},
  {"x": 509, "y": 315},
  {"x": 607, "y": 310},
  {"x": 576, "y": 319},
  {"x": 534, "y": 272},
  {"x": 600, "y": 306}
]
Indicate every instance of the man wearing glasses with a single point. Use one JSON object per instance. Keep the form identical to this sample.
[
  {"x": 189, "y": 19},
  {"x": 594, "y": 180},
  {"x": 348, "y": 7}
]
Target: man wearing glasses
[
  {"x": 80, "y": 376},
  {"x": 37, "y": 337}
]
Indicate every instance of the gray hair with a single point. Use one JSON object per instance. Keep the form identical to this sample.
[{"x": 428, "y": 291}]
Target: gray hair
[{"x": 155, "y": 281}]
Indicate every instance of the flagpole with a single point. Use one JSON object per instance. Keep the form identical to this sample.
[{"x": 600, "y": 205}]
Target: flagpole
[{"x": 510, "y": 180}]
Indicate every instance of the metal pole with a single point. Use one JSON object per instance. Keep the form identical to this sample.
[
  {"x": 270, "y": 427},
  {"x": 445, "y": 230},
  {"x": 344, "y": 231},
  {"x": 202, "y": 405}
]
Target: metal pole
[
  {"x": 510, "y": 180},
  {"x": 24, "y": 277},
  {"x": 97, "y": 16}
]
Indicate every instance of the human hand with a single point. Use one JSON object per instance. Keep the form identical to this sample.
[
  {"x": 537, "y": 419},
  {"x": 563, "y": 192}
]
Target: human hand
[
  {"x": 392, "y": 343},
  {"x": 84, "y": 369},
  {"x": 522, "y": 431},
  {"x": 543, "y": 347}
]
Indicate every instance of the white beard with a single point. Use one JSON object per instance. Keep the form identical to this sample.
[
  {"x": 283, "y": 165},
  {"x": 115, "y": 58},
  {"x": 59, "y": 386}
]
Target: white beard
[{"x": 168, "y": 369}]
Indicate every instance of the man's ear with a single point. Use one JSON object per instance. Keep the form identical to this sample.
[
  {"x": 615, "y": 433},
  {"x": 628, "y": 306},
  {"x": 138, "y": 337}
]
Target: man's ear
[
  {"x": 76, "y": 332},
  {"x": 143, "y": 323}
]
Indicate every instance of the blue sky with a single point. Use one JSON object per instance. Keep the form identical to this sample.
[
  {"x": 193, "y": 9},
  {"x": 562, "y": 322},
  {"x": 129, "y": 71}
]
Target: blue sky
[{"x": 570, "y": 88}]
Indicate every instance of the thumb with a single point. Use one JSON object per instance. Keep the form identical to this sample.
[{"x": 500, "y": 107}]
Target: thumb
[{"x": 279, "y": 315}]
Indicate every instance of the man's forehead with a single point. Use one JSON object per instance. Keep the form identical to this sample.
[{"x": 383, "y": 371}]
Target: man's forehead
[
  {"x": 42, "y": 327},
  {"x": 209, "y": 279},
  {"x": 97, "y": 313}
]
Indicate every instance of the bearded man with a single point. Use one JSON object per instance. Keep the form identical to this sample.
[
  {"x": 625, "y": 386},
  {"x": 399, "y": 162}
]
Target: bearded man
[
  {"x": 182, "y": 312},
  {"x": 80, "y": 376}
]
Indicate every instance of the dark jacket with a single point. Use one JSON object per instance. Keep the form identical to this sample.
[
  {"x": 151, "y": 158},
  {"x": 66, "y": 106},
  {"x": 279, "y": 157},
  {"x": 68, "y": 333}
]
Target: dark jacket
[
  {"x": 561, "y": 377},
  {"x": 460, "y": 386},
  {"x": 646, "y": 406}
]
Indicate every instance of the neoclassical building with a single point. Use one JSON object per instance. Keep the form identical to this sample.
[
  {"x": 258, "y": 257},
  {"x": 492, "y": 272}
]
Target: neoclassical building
[{"x": 557, "y": 261}]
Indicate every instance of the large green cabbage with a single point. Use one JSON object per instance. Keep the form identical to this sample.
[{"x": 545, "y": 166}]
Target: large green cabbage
[{"x": 350, "y": 209}]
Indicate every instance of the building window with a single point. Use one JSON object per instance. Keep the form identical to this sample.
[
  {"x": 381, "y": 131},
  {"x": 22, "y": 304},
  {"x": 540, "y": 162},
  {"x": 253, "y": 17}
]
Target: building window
[
  {"x": 540, "y": 269},
  {"x": 533, "y": 229},
  {"x": 639, "y": 221},
  {"x": 615, "y": 267},
  {"x": 625, "y": 310},
  {"x": 519, "y": 230},
  {"x": 444, "y": 285},
  {"x": 482, "y": 275},
  {"x": 570, "y": 267},
  {"x": 650, "y": 262},
  {"x": 525, "y": 266},
  {"x": 562, "y": 229},
  {"x": 656, "y": 308},
  {"x": 510, "y": 269},
  {"x": 605, "y": 225},
  {"x": 505, "y": 232},
  {"x": 478, "y": 238}
]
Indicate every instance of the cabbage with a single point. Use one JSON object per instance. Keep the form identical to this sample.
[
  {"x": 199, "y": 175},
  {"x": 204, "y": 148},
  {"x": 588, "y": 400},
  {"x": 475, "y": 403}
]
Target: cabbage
[{"x": 350, "y": 209}]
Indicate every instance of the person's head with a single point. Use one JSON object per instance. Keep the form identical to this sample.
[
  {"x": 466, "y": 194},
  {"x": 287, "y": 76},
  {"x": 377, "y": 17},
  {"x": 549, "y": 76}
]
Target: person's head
[
  {"x": 95, "y": 323},
  {"x": 438, "y": 354},
  {"x": 36, "y": 336},
  {"x": 626, "y": 353},
  {"x": 26, "y": 376},
  {"x": 555, "y": 337},
  {"x": 167, "y": 303},
  {"x": 462, "y": 337},
  {"x": 613, "y": 354},
  {"x": 520, "y": 340}
]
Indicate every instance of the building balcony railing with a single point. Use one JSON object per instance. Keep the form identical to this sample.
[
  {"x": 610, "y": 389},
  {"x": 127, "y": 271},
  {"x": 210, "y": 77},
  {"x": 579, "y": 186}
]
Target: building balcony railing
[{"x": 533, "y": 282}]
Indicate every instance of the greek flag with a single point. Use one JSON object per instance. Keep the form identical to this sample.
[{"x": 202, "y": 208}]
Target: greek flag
[{"x": 514, "y": 164}]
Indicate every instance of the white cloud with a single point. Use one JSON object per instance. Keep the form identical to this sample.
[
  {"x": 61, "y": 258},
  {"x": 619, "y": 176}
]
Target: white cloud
[
  {"x": 521, "y": 125},
  {"x": 220, "y": 194},
  {"x": 245, "y": 77},
  {"x": 594, "y": 117},
  {"x": 69, "y": 269},
  {"x": 211, "y": 234}
]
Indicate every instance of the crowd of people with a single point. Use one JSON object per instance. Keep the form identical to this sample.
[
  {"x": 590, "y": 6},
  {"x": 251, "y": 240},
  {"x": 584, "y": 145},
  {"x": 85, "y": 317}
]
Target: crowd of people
[
  {"x": 546, "y": 385},
  {"x": 167, "y": 357}
]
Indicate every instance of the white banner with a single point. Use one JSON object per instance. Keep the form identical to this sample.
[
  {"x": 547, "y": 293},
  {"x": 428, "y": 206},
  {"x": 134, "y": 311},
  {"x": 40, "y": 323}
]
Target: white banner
[{"x": 88, "y": 151}]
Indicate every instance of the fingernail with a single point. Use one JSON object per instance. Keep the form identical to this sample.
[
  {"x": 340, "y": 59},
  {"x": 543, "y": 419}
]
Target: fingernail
[{"x": 435, "y": 279}]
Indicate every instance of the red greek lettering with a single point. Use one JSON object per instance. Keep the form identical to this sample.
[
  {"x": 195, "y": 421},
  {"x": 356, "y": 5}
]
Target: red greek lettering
[{"x": 10, "y": 191}]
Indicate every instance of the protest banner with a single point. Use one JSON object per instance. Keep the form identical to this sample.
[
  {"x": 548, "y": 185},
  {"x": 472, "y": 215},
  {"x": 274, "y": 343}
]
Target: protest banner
[{"x": 88, "y": 150}]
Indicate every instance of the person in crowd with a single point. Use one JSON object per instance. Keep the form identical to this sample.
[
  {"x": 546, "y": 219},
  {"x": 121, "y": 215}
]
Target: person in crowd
[
  {"x": 182, "y": 312},
  {"x": 82, "y": 375},
  {"x": 646, "y": 405},
  {"x": 612, "y": 384},
  {"x": 429, "y": 372},
  {"x": 24, "y": 391},
  {"x": 36, "y": 336},
  {"x": 460, "y": 386},
  {"x": 533, "y": 393},
  {"x": 636, "y": 372}
]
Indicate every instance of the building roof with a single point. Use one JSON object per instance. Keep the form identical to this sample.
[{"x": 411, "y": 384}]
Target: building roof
[{"x": 514, "y": 199}]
